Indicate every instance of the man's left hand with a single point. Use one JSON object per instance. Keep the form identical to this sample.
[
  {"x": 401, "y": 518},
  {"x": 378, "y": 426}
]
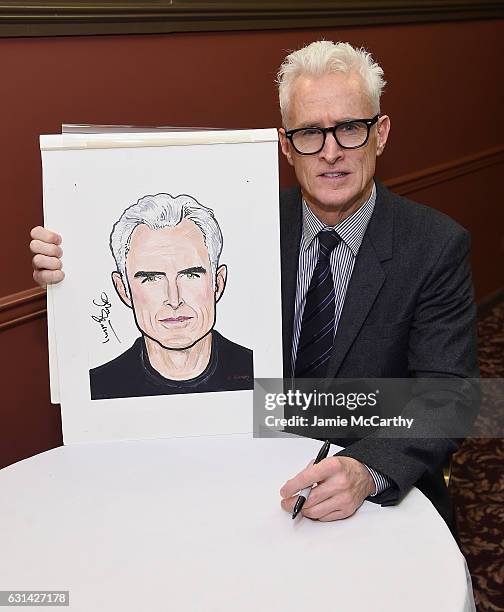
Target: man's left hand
[{"x": 343, "y": 484}]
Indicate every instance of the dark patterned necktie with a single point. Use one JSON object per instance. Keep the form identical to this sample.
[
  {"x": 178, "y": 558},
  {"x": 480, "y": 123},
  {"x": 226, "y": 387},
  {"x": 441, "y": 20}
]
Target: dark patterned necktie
[{"x": 317, "y": 327}]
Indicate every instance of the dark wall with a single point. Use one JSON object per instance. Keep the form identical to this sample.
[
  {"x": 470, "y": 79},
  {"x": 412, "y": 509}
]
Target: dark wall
[{"x": 445, "y": 149}]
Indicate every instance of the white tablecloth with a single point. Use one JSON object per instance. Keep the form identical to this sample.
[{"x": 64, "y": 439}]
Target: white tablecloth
[{"x": 195, "y": 524}]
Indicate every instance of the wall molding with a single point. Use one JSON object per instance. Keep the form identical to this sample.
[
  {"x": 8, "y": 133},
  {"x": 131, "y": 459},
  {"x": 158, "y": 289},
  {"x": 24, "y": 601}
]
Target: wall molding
[
  {"x": 24, "y": 306},
  {"x": 64, "y": 18},
  {"x": 21, "y": 307},
  {"x": 428, "y": 177}
]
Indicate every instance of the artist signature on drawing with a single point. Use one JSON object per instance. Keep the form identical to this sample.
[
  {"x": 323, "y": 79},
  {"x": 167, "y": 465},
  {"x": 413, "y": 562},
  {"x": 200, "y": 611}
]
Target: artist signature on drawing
[{"x": 103, "y": 319}]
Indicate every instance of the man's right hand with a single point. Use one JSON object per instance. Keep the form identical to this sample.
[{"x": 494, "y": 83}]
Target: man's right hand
[{"x": 46, "y": 256}]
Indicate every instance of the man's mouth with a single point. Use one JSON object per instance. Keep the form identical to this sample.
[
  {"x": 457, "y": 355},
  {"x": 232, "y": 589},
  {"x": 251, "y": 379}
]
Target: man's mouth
[
  {"x": 334, "y": 175},
  {"x": 180, "y": 319}
]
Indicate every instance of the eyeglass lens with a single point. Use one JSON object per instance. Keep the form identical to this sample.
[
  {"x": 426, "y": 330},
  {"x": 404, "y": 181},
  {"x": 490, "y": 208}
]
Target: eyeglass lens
[{"x": 311, "y": 140}]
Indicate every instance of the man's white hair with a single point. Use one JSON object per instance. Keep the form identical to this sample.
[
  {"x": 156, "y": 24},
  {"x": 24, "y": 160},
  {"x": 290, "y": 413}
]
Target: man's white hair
[
  {"x": 326, "y": 57},
  {"x": 159, "y": 211}
]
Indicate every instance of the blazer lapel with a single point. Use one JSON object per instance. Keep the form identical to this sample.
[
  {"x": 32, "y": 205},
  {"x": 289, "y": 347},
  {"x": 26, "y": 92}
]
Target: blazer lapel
[
  {"x": 290, "y": 239},
  {"x": 367, "y": 279}
]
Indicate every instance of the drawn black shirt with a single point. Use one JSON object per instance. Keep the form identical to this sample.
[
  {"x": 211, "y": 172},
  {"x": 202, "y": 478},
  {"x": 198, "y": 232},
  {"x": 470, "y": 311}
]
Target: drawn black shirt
[{"x": 131, "y": 375}]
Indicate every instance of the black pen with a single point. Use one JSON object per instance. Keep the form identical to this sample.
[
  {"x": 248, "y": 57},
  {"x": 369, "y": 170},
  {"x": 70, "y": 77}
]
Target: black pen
[{"x": 303, "y": 495}]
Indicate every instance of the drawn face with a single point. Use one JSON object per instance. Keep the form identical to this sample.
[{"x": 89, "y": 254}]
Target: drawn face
[
  {"x": 335, "y": 179},
  {"x": 170, "y": 279}
]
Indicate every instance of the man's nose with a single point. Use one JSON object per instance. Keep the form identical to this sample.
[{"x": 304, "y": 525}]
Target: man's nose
[
  {"x": 331, "y": 150},
  {"x": 173, "y": 297}
]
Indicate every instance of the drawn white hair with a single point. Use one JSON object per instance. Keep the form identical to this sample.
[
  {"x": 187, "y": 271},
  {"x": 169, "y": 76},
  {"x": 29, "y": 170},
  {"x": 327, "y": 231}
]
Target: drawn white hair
[
  {"x": 160, "y": 211},
  {"x": 326, "y": 57}
]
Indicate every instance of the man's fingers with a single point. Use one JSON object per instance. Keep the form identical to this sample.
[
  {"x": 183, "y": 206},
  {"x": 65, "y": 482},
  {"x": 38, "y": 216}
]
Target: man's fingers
[
  {"x": 320, "y": 493},
  {"x": 46, "y": 260},
  {"x": 310, "y": 475},
  {"x": 328, "y": 506},
  {"x": 45, "y": 235},
  {"x": 45, "y": 248},
  {"x": 289, "y": 503},
  {"x": 300, "y": 481},
  {"x": 43, "y": 262},
  {"x": 330, "y": 510},
  {"x": 48, "y": 277}
]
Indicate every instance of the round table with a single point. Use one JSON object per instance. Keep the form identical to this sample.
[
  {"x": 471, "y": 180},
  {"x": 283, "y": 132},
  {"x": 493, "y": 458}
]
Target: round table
[{"x": 195, "y": 524}]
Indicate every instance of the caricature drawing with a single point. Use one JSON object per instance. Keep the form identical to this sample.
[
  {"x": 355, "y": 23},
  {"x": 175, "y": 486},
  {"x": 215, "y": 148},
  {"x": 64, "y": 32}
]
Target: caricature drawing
[{"x": 167, "y": 252}]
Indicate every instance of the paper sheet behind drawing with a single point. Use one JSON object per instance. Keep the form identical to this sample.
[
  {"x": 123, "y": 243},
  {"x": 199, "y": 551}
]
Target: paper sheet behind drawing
[
  {"x": 51, "y": 330},
  {"x": 53, "y": 350},
  {"x": 85, "y": 192}
]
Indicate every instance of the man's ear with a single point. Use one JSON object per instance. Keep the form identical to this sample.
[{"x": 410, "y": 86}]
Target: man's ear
[
  {"x": 383, "y": 132},
  {"x": 121, "y": 289},
  {"x": 220, "y": 281},
  {"x": 284, "y": 143}
]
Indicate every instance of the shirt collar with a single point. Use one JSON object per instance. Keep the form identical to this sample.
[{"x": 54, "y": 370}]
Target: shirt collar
[{"x": 351, "y": 230}]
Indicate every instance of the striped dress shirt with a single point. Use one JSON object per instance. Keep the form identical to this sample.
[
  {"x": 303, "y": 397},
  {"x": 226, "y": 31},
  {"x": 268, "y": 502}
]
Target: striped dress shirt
[{"x": 351, "y": 231}]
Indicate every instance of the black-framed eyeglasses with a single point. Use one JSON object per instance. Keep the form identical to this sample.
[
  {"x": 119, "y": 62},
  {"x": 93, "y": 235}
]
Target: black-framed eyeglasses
[{"x": 348, "y": 134}]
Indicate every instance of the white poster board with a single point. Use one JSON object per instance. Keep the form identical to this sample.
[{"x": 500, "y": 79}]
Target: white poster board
[{"x": 89, "y": 182}]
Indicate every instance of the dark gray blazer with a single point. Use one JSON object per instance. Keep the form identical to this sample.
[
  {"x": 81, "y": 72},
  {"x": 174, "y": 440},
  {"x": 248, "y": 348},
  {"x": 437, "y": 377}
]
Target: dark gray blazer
[{"x": 409, "y": 312}]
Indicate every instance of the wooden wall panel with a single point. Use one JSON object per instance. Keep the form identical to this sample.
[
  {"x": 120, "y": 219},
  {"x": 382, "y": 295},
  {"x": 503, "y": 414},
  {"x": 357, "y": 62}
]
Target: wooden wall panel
[
  {"x": 30, "y": 423},
  {"x": 443, "y": 96},
  {"x": 473, "y": 199}
]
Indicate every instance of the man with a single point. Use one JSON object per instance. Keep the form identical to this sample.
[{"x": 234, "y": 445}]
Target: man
[
  {"x": 398, "y": 296},
  {"x": 401, "y": 293},
  {"x": 167, "y": 253}
]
